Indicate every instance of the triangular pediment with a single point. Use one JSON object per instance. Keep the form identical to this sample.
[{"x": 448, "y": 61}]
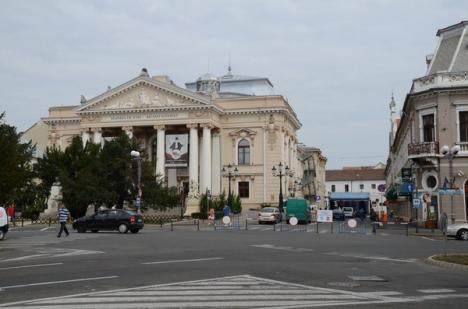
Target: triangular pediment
[{"x": 144, "y": 93}]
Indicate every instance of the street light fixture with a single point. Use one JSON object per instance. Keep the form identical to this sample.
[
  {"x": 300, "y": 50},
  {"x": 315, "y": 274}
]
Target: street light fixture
[
  {"x": 280, "y": 171},
  {"x": 230, "y": 171},
  {"x": 137, "y": 157},
  {"x": 450, "y": 153}
]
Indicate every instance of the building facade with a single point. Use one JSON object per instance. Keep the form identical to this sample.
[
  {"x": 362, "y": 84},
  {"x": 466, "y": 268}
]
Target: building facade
[
  {"x": 191, "y": 134},
  {"x": 312, "y": 181},
  {"x": 356, "y": 185},
  {"x": 434, "y": 115}
]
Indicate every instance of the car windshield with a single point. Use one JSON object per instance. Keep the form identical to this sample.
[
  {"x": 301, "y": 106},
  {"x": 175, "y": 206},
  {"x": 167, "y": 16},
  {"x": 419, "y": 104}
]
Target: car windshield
[
  {"x": 348, "y": 209},
  {"x": 268, "y": 210},
  {"x": 131, "y": 213}
]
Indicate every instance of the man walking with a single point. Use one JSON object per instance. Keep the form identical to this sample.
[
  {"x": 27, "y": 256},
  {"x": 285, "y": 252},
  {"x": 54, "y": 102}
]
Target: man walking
[{"x": 63, "y": 216}]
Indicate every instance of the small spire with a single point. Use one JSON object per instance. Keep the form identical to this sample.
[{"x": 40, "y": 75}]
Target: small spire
[
  {"x": 83, "y": 99},
  {"x": 392, "y": 104},
  {"x": 229, "y": 66}
]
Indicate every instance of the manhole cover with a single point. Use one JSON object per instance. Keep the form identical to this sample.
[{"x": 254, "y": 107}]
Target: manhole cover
[
  {"x": 367, "y": 278},
  {"x": 344, "y": 284}
]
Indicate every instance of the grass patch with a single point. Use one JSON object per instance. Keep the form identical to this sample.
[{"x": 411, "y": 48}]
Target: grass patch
[{"x": 456, "y": 259}]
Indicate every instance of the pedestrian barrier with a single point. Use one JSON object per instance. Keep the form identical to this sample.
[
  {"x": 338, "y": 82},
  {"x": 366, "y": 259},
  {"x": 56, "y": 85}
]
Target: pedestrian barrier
[
  {"x": 285, "y": 227},
  {"x": 233, "y": 225},
  {"x": 353, "y": 226}
]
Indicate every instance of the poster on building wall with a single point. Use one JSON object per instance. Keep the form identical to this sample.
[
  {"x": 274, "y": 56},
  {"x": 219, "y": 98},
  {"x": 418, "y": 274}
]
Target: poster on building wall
[{"x": 177, "y": 150}]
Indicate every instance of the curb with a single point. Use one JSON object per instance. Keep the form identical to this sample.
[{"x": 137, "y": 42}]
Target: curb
[{"x": 454, "y": 266}]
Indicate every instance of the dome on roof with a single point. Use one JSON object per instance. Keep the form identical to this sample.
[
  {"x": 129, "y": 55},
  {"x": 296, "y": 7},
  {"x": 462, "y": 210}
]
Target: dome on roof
[{"x": 207, "y": 76}]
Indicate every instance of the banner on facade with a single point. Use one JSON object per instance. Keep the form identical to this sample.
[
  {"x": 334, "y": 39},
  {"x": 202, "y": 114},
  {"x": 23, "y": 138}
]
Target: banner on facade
[{"x": 177, "y": 150}]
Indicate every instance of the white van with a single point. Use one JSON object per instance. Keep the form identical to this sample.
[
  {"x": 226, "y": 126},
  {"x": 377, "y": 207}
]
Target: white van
[
  {"x": 348, "y": 212},
  {"x": 3, "y": 223}
]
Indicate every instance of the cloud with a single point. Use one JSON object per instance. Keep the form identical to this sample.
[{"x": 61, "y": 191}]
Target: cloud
[{"x": 337, "y": 62}]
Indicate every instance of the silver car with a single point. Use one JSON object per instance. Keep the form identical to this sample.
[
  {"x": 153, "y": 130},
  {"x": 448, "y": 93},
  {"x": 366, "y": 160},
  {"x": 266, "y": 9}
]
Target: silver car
[
  {"x": 458, "y": 230},
  {"x": 269, "y": 214}
]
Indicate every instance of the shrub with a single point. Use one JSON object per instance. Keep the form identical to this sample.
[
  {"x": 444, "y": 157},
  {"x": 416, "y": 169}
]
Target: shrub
[{"x": 200, "y": 215}]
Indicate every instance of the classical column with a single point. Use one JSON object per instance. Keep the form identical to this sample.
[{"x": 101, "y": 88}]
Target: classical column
[
  {"x": 84, "y": 137},
  {"x": 160, "y": 153},
  {"x": 216, "y": 164},
  {"x": 97, "y": 135},
  {"x": 128, "y": 131},
  {"x": 205, "y": 166},
  {"x": 193, "y": 160}
]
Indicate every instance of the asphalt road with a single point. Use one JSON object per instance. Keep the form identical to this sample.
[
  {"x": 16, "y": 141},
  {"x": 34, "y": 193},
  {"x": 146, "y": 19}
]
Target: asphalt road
[{"x": 258, "y": 268}]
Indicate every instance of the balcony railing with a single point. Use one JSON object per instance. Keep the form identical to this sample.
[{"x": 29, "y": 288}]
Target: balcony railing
[
  {"x": 440, "y": 80},
  {"x": 423, "y": 149}
]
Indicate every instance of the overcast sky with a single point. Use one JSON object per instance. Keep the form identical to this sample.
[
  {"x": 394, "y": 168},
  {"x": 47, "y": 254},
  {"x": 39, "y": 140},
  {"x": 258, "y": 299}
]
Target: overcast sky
[{"x": 337, "y": 62}]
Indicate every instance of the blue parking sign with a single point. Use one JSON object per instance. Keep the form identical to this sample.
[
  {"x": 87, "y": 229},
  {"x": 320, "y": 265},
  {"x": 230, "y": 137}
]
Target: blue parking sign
[{"x": 416, "y": 203}]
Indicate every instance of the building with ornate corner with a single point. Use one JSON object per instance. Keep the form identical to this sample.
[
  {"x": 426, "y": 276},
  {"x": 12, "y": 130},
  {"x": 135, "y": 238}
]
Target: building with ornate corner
[
  {"x": 191, "y": 133},
  {"x": 434, "y": 115}
]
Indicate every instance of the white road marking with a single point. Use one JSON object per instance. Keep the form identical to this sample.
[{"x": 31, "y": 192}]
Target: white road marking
[
  {"x": 183, "y": 261},
  {"x": 21, "y": 258},
  {"x": 55, "y": 282},
  {"x": 28, "y": 266},
  {"x": 435, "y": 291},
  {"x": 427, "y": 238},
  {"x": 229, "y": 292},
  {"x": 366, "y": 278},
  {"x": 378, "y": 258},
  {"x": 283, "y": 248},
  {"x": 45, "y": 229}
]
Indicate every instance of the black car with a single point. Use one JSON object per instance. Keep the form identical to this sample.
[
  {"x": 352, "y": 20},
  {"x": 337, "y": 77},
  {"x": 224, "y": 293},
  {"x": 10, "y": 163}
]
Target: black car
[
  {"x": 112, "y": 219},
  {"x": 338, "y": 214}
]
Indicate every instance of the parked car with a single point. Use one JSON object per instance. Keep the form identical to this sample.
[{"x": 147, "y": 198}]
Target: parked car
[
  {"x": 269, "y": 214},
  {"x": 110, "y": 219},
  {"x": 348, "y": 212},
  {"x": 338, "y": 214},
  {"x": 458, "y": 230},
  {"x": 3, "y": 223}
]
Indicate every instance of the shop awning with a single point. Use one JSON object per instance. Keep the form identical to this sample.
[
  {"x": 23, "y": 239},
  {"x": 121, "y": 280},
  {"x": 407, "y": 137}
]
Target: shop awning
[{"x": 350, "y": 196}]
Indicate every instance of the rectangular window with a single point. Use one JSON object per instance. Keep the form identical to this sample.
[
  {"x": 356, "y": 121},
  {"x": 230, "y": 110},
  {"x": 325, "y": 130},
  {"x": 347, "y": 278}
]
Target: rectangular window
[
  {"x": 244, "y": 189},
  {"x": 373, "y": 186},
  {"x": 428, "y": 128},
  {"x": 361, "y": 186},
  {"x": 463, "y": 118},
  {"x": 346, "y": 188},
  {"x": 333, "y": 188}
]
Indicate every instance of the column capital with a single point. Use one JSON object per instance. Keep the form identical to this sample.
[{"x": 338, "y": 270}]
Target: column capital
[
  {"x": 206, "y": 125},
  {"x": 96, "y": 130},
  {"x": 192, "y": 125},
  {"x": 159, "y": 127},
  {"x": 128, "y": 128}
]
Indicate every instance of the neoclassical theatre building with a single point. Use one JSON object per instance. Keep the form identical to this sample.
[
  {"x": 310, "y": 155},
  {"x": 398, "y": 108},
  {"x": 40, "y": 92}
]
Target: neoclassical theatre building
[{"x": 192, "y": 133}]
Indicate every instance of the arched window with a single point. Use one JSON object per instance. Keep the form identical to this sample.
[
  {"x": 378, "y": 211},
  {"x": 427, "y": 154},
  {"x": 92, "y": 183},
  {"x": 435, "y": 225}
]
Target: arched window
[{"x": 243, "y": 152}]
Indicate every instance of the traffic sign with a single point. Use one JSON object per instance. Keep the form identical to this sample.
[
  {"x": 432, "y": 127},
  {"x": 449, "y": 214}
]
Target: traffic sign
[
  {"x": 138, "y": 202},
  {"x": 381, "y": 188},
  {"x": 416, "y": 203},
  {"x": 317, "y": 198}
]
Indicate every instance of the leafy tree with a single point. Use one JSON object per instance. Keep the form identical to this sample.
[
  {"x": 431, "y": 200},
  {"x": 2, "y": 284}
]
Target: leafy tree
[{"x": 16, "y": 172}]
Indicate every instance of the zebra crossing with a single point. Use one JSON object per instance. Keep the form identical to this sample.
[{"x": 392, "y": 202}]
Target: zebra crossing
[{"x": 243, "y": 291}]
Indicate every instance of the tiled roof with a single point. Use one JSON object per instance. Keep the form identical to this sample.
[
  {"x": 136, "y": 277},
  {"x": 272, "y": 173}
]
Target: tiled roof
[{"x": 355, "y": 174}]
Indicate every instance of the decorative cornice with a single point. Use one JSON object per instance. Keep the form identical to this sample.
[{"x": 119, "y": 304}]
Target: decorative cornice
[
  {"x": 192, "y": 125},
  {"x": 160, "y": 127},
  {"x": 146, "y": 81},
  {"x": 50, "y": 120}
]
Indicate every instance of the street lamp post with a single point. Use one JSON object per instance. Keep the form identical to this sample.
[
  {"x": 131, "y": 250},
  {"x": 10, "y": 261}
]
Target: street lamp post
[
  {"x": 230, "y": 171},
  {"x": 136, "y": 156},
  {"x": 280, "y": 171},
  {"x": 450, "y": 153}
]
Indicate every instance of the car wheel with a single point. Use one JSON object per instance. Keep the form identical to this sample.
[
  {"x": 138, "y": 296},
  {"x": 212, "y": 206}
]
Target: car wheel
[
  {"x": 462, "y": 234},
  {"x": 81, "y": 229},
  {"x": 94, "y": 231},
  {"x": 134, "y": 231},
  {"x": 123, "y": 228},
  {"x": 2, "y": 235}
]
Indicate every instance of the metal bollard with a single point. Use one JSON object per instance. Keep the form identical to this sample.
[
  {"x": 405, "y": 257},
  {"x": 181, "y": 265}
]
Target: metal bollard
[
  {"x": 50, "y": 221},
  {"x": 407, "y": 228},
  {"x": 172, "y": 226},
  {"x": 22, "y": 221},
  {"x": 246, "y": 224},
  {"x": 374, "y": 228},
  {"x": 274, "y": 227},
  {"x": 317, "y": 227},
  {"x": 332, "y": 227},
  {"x": 198, "y": 224}
]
